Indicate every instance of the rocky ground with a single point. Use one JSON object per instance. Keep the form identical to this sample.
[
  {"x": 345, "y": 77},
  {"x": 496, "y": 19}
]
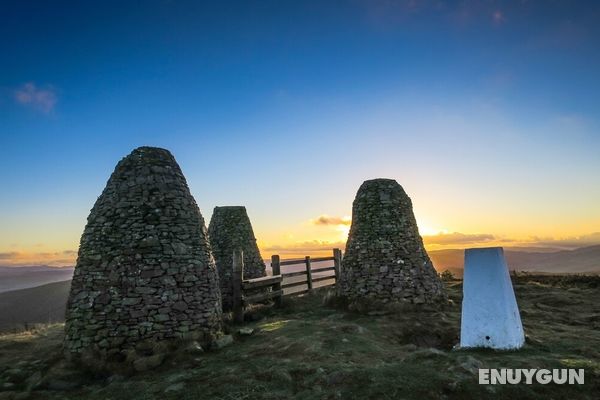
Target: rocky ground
[{"x": 311, "y": 350}]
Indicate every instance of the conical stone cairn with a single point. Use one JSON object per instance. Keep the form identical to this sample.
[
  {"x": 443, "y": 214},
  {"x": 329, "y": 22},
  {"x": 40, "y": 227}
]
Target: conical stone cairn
[
  {"x": 144, "y": 270},
  {"x": 385, "y": 260},
  {"x": 230, "y": 229}
]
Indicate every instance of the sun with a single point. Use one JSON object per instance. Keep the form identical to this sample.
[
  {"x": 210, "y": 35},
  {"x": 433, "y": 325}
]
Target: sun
[
  {"x": 344, "y": 230},
  {"x": 427, "y": 230}
]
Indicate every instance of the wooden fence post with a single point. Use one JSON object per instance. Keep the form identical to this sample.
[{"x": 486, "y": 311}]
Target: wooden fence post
[
  {"x": 237, "y": 278},
  {"x": 309, "y": 282},
  {"x": 276, "y": 267},
  {"x": 337, "y": 264}
]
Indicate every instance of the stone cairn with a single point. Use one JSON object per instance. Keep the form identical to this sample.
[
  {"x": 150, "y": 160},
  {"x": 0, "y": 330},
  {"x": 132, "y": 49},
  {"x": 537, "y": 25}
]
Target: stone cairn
[
  {"x": 144, "y": 270},
  {"x": 230, "y": 229},
  {"x": 385, "y": 260}
]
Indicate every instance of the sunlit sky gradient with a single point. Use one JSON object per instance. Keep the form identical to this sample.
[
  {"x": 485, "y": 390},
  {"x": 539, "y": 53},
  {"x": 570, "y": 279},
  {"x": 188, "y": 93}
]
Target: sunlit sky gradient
[{"x": 486, "y": 113}]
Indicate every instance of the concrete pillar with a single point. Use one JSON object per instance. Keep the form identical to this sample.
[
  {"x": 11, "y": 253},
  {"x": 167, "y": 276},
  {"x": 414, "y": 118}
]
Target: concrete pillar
[{"x": 490, "y": 315}]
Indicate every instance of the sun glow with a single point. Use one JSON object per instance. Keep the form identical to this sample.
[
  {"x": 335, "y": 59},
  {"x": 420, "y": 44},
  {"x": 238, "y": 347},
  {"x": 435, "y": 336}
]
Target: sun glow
[
  {"x": 426, "y": 230},
  {"x": 344, "y": 230}
]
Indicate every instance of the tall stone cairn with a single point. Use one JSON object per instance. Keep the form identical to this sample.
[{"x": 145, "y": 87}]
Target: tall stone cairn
[
  {"x": 144, "y": 270},
  {"x": 230, "y": 229},
  {"x": 385, "y": 260}
]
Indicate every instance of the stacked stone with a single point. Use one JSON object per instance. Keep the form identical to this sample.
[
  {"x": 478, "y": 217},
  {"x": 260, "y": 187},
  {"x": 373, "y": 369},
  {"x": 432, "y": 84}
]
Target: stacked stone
[
  {"x": 385, "y": 260},
  {"x": 230, "y": 229},
  {"x": 144, "y": 270}
]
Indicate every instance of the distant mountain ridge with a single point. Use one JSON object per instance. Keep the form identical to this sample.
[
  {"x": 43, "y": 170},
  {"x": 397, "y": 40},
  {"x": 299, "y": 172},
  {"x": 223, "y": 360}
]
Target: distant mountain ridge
[
  {"x": 15, "y": 278},
  {"x": 46, "y": 303},
  {"x": 581, "y": 260}
]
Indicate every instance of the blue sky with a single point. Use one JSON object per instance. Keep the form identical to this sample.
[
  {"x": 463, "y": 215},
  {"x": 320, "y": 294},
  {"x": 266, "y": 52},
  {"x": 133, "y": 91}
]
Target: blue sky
[{"x": 486, "y": 112}]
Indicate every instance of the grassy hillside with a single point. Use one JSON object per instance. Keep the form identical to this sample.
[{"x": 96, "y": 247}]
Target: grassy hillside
[
  {"x": 38, "y": 305},
  {"x": 307, "y": 350}
]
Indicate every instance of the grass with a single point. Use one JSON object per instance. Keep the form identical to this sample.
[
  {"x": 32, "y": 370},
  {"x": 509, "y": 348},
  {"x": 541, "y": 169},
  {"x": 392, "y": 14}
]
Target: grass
[{"x": 308, "y": 350}]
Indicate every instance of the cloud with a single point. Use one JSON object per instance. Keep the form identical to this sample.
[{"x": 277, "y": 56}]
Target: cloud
[
  {"x": 9, "y": 255},
  {"x": 53, "y": 258},
  {"x": 322, "y": 247},
  {"x": 570, "y": 242},
  {"x": 41, "y": 99},
  {"x": 498, "y": 17},
  {"x": 457, "y": 238},
  {"x": 327, "y": 220}
]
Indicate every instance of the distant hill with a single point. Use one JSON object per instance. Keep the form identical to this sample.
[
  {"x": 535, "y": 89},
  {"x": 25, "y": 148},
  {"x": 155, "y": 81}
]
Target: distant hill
[
  {"x": 582, "y": 260},
  {"x": 36, "y": 305},
  {"x": 14, "y": 278},
  {"x": 46, "y": 303}
]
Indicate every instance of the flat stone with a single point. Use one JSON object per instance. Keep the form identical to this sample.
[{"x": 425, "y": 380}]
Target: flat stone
[
  {"x": 180, "y": 306},
  {"x": 223, "y": 341},
  {"x": 130, "y": 301},
  {"x": 194, "y": 348},
  {"x": 246, "y": 331}
]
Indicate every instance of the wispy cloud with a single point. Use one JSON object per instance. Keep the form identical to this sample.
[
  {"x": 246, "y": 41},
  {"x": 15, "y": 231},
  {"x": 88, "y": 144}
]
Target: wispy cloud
[
  {"x": 327, "y": 220},
  {"x": 53, "y": 258},
  {"x": 9, "y": 255},
  {"x": 498, "y": 17},
  {"x": 41, "y": 99},
  {"x": 570, "y": 242},
  {"x": 442, "y": 239},
  {"x": 457, "y": 238},
  {"x": 454, "y": 240}
]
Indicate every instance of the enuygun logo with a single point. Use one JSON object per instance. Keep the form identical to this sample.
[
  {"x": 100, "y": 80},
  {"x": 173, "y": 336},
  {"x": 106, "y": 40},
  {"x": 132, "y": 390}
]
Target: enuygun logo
[{"x": 514, "y": 376}]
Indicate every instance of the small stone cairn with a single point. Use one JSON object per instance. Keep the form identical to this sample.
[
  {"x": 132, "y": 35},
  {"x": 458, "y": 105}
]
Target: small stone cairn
[
  {"x": 385, "y": 260},
  {"x": 144, "y": 271},
  {"x": 230, "y": 229}
]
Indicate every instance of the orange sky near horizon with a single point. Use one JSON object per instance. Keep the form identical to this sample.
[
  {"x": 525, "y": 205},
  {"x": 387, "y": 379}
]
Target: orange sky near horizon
[{"x": 314, "y": 237}]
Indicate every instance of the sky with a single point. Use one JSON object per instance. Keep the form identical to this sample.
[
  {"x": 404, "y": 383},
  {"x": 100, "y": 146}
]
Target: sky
[{"x": 486, "y": 112}]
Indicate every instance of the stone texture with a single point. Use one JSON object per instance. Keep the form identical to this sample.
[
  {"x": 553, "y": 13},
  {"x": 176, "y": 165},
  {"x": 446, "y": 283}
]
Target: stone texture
[
  {"x": 144, "y": 270},
  {"x": 230, "y": 229},
  {"x": 385, "y": 260}
]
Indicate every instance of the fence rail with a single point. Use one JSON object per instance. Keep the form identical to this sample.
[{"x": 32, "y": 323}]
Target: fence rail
[{"x": 250, "y": 291}]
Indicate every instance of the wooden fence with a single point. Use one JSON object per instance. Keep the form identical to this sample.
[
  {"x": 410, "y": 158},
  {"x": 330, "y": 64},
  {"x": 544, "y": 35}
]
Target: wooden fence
[{"x": 251, "y": 291}]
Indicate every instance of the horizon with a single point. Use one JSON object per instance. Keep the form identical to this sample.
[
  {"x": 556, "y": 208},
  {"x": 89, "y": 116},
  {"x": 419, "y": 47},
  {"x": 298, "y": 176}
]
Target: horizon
[
  {"x": 292, "y": 254},
  {"x": 485, "y": 113}
]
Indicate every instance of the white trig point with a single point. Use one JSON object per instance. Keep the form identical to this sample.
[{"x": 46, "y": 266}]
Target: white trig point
[{"x": 490, "y": 315}]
